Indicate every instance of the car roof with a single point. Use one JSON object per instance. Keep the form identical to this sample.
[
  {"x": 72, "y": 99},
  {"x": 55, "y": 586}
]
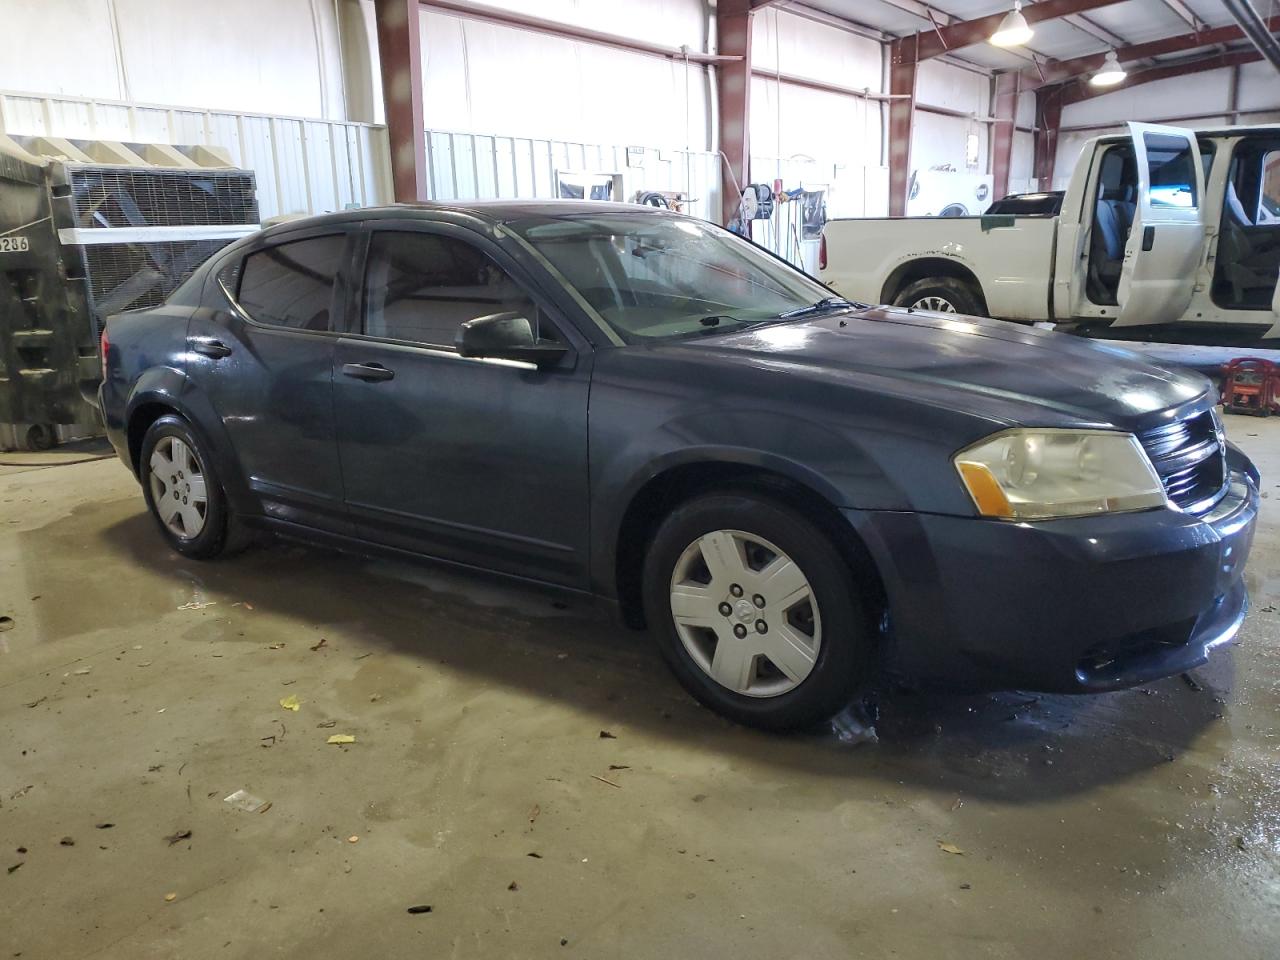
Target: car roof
[{"x": 493, "y": 211}]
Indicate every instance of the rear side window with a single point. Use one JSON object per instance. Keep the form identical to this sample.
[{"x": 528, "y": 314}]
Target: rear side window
[{"x": 292, "y": 284}]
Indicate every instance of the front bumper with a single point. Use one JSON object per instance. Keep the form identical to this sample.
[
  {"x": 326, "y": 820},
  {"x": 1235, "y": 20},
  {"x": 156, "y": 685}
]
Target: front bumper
[{"x": 1078, "y": 605}]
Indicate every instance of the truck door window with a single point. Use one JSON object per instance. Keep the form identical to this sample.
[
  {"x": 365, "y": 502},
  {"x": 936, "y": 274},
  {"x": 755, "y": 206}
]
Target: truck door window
[
  {"x": 1247, "y": 262},
  {"x": 1172, "y": 171}
]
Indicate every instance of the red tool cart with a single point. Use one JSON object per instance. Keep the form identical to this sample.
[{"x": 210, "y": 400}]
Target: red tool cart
[{"x": 1250, "y": 385}]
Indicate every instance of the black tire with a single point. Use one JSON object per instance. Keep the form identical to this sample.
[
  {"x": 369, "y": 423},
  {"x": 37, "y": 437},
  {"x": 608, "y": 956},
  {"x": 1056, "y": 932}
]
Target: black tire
[
  {"x": 956, "y": 292},
  {"x": 222, "y": 534},
  {"x": 845, "y": 657}
]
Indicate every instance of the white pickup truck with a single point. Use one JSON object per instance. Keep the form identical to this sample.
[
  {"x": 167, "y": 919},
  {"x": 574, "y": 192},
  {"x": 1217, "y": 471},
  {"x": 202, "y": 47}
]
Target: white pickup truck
[{"x": 1163, "y": 227}]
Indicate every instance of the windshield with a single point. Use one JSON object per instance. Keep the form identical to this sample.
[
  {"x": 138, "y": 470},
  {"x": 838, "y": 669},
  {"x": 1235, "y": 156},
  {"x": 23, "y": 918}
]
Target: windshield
[{"x": 652, "y": 276}]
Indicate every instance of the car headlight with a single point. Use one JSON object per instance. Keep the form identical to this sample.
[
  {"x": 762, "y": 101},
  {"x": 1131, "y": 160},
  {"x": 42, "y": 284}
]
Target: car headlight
[{"x": 1038, "y": 474}]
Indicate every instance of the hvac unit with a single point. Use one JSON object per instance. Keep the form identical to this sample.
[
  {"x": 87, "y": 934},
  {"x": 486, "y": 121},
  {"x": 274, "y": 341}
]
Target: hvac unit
[{"x": 88, "y": 229}]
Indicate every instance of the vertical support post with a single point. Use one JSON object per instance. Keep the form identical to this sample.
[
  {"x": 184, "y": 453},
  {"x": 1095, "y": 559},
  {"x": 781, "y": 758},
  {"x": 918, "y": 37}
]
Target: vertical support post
[
  {"x": 1048, "y": 123},
  {"x": 733, "y": 39},
  {"x": 1233, "y": 97},
  {"x": 1005, "y": 112},
  {"x": 400, "y": 59},
  {"x": 902, "y": 108}
]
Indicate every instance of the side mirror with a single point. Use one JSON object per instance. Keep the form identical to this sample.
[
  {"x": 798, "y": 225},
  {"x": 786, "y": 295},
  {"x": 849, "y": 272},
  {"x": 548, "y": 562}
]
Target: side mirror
[{"x": 505, "y": 336}]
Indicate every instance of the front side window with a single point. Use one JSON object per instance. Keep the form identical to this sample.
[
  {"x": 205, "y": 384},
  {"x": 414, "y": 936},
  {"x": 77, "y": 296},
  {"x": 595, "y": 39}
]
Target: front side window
[
  {"x": 420, "y": 287},
  {"x": 653, "y": 276},
  {"x": 292, "y": 284}
]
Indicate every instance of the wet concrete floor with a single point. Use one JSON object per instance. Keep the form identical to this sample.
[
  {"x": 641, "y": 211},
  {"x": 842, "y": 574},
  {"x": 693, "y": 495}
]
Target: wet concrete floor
[{"x": 138, "y": 689}]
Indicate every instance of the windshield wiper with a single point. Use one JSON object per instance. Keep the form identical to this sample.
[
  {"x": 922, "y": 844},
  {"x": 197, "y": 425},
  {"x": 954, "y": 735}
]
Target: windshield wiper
[{"x": 822, "y": 306}]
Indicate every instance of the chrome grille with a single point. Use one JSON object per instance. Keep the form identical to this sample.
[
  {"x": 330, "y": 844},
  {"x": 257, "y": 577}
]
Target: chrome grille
[{"x": 1190, "y": 459}]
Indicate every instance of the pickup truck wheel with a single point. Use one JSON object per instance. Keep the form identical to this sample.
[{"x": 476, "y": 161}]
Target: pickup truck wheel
[
  {"x": 941, "y": 295},
  {"x": 756, "y": 611}
]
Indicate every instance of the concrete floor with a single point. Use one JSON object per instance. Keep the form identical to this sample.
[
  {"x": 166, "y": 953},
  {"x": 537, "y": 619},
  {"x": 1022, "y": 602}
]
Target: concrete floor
[{"x": 137, "y": 690}]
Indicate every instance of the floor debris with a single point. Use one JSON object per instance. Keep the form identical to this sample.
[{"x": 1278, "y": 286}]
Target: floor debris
[
  {"x": 421, "y": 908},
  {"x": 618, "y": 766},
  {"x": 950, "y": 848},
  {"x": 35, "y": 703},
  {"x": 67, "y": 842},
  {"x": 198, "y": 604},
  {"x": 533, "y": 812},
  {"x": 170, "y": 897},
  {"x": 341, "y": 738},
  {"x": 609, "y": 782},
  {"x": 353, "y": 839},
  {"x": 178, "y": 837},
  {"x": 322, "y": 643},
  {"x": 1190, "y": 681},
  {"x": 513, "y": 885},
  {"x": 243, "y": 800},
  {"x": 103, "y": 826},
  {"x": 606, "y": 735},
  {"x": 327, "y": 724},
  {"x": 291, "y": 702}
]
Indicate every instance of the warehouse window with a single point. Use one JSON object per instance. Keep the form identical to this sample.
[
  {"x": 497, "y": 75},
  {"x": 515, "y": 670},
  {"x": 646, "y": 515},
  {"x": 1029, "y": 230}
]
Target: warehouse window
[
  {"x": 420, "y": 287},
  {"x": 292, "y": 284}
]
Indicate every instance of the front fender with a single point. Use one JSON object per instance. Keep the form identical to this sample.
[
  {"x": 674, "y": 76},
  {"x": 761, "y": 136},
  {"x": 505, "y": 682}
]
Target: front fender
[{"x": 810, "y": 454}]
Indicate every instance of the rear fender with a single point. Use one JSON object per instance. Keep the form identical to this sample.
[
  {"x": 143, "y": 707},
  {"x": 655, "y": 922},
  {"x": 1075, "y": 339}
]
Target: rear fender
[{"x": 171, "y": 388}]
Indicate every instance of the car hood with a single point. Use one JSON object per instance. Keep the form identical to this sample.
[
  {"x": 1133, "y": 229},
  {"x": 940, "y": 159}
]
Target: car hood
[{"x": 992, "y": 367}]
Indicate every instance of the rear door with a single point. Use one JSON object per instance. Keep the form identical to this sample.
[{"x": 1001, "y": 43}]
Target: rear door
[
  {"x": 1166, "y": 243},
  {"x": 264, "y": 361}
]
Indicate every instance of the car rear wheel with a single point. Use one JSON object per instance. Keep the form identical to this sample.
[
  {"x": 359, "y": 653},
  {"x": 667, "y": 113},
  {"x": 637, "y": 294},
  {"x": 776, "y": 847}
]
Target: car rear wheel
[
  {"x": 941, "y": 295},
  {"x": 183, "y": 492},
  {"x": 757, "y": 612}
]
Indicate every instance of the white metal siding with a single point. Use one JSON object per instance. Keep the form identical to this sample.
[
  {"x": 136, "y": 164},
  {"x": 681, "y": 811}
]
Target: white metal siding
[{"x": 302, "y": 166}]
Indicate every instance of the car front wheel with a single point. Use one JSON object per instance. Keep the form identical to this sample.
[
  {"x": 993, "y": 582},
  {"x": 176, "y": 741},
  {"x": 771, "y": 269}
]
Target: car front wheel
[{"x": 757, "y": 612}]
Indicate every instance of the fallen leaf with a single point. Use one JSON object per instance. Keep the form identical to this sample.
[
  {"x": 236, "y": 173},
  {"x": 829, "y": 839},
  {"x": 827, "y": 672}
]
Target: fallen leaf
[
  {"x": 341, "y": 738},
  {"x": 170, "y": 897},
  {"x": 326, "y": 724},
  {"x": 421, "y": 908},
  {"x": 291, "y": 702},
  {"x": 178, "y": 837},
  {"x": 606, "y": 735},
  {"x": 104, "y": 826},
  {"x": 534, "y": 854},
  {"x": 950, "y": 848},
  {"x": 618, "y": 766},
  {"x": 67, "y": 842}
]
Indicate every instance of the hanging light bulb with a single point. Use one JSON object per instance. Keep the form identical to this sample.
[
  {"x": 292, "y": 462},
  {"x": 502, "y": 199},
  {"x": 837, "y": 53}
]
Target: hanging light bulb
[
  {"x": 1110, "y": 73},
  {"x": 1014, "y": 30}
]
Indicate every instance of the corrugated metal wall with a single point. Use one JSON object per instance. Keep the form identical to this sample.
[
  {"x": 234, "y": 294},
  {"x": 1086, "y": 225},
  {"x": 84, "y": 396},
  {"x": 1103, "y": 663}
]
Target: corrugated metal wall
[
  {"x": 303, "y": 166},
  {"x": 472, "y": 166}
]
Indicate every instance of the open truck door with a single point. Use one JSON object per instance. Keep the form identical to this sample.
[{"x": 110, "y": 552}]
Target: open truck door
[{"x": 1166, "y": 243}]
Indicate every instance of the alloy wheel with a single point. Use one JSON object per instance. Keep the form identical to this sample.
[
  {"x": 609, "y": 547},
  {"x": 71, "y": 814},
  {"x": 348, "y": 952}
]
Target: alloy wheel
[
  {"x": 178, "y": 488},
  {"x": 745, "y": 613}
]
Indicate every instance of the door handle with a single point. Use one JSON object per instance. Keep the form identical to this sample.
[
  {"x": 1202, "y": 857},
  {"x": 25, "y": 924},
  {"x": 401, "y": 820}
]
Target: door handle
[
  {"x": 209, "y": 347},
  {"x": 371, "y": 372},
  {"x": 1148, "y": 237}
]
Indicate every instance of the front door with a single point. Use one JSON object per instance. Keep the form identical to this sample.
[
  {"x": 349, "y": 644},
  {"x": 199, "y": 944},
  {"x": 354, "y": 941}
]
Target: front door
[
  {"x": 1166, "y": 243},
  {"x": 265, "y": 363},
  {"x": 482, "y": 462}
]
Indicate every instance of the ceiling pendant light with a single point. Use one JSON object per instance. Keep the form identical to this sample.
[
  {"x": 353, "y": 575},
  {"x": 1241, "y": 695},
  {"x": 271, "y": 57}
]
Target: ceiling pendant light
[
  {"x": 1014, "y": 30},
  {"x": 1110, "y": 73}
]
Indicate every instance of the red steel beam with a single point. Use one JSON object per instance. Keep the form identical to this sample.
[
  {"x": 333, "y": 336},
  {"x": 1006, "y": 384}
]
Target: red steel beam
[
  {"x": 400, "y": 60},
  {"x": 1074, "y": 93},
  {"x": 1055, "y": 71},
  {"x": 903, "y": 61},
  {"x": 733, "y": 39},
  {"x": 940, "y": 40},
  {"x": 1006, "y": 114}
]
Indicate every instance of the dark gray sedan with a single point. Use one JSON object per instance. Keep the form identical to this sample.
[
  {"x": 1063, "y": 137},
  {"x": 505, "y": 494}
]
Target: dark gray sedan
[{"x": 796, "y": 494}]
